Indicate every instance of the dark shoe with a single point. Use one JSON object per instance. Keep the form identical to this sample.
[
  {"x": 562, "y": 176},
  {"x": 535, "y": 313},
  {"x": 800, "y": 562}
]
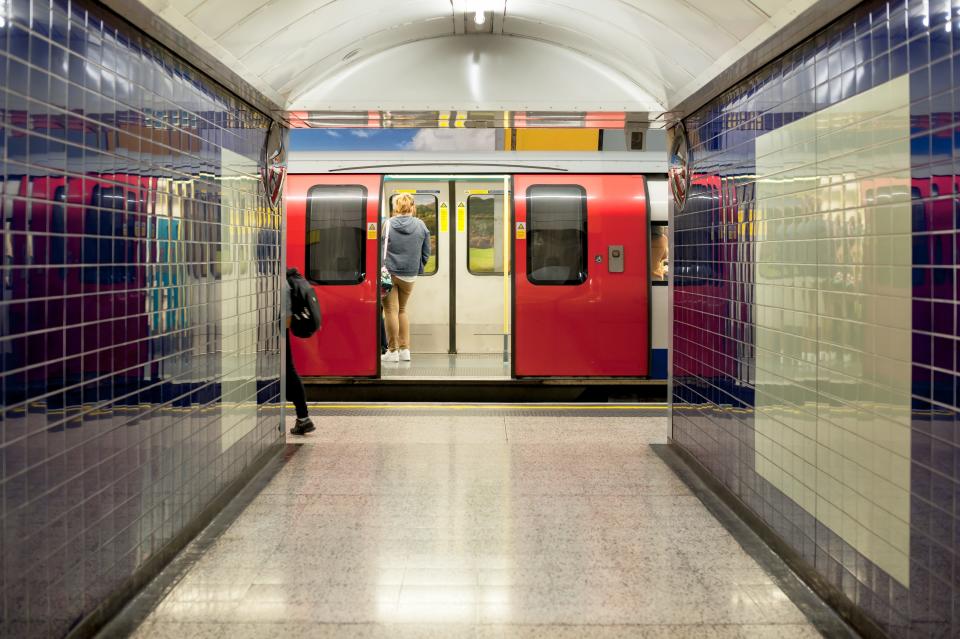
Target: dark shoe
[{"x": 302, "y": 427}]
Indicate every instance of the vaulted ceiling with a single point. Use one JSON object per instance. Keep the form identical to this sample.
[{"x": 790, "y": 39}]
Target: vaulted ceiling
[{"x": 634, "y": 55}]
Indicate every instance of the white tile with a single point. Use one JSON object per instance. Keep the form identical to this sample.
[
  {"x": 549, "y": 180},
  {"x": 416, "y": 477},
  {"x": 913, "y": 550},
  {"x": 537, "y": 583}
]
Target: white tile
[{"x": 862, "y": 155}]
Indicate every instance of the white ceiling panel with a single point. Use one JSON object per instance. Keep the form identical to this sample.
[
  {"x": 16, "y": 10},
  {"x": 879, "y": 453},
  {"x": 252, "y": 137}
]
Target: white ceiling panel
[
  {"x": 318, "y": 65},
  {"x": 738, "y": 18},
  {"x": 209, "y": 14},
  {"x": 654, "y": 43},
  {"x": 477, "y": 73},
  {"x": 651, "y": 52},
  {"x": 769, "y": 7}
]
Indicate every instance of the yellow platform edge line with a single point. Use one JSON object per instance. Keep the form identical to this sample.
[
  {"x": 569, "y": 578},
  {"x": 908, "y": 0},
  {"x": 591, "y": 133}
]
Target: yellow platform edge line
[{"x": 484, "y": 406}]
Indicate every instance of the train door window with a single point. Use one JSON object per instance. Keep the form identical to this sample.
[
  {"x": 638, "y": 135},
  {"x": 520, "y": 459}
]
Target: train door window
[
  {"x": 556, "y": 234},
  {"x": 336, "y": 234},
  {"x": 485, "y": 235},
  {"x": 58, "y": 226},
  {"x": 103, "y": 222},
  {"x": 695, "y": 250},
  {"x": 659, "y": 252},
  {"x": 427, "y": 207}
]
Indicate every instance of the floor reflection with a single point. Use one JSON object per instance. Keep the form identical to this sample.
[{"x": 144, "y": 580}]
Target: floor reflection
[{"x": 492, "y": 525}]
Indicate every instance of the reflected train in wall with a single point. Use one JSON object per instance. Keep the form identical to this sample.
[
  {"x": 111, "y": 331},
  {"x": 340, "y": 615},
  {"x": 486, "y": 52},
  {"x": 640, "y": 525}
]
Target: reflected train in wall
[{"x": 108, "y": 257}]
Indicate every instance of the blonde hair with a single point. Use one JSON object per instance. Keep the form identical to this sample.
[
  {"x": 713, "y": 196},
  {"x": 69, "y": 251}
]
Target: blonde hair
[{"x": 403, "y": 204}]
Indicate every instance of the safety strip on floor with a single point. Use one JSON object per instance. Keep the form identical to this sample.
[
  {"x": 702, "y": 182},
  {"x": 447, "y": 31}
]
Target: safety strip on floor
[{"x": 487, "y": 410}]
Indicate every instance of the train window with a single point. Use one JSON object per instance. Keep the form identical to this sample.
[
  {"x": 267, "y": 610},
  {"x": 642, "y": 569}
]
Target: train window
[
  {"x": 485, "y": 234},
  {"x": 336, "y": 232},
  {"x": 427, "y": 207},
  {"x": 695, "y": 250},
  {"x": 58, "y": 226},
  {"x": 556, "y": 234},
  {"x": 659, "y": 252},
  {"x": 103, "y": 247}
]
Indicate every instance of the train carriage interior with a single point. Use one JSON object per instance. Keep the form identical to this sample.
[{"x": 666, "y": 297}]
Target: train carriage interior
[{"x": 637, "y": 318}]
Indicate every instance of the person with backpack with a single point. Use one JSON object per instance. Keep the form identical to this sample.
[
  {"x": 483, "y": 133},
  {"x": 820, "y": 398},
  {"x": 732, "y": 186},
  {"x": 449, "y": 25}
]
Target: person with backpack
[{"x": 301, "y": 313}]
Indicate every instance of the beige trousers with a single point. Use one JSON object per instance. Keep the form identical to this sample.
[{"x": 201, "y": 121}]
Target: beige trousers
[{"x": 395, "y": 315}]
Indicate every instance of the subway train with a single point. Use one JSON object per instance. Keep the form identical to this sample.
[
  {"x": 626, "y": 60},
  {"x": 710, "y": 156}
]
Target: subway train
[{"x": 554, "y": 273}]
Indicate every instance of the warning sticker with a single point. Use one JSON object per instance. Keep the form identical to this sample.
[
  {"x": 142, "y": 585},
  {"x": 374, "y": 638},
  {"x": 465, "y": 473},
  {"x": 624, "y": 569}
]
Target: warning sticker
[
  {"x": 461, "y": 217},
  {"x": 521, "y": 230},
  {"x": 372, "y": 231},
  {"x": 477, "y": 191},
  {"x": 444, "y": 215}
]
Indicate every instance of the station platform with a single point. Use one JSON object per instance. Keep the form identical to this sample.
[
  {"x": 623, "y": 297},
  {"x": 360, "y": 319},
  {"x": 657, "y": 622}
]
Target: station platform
[
  {"x": 474, "y": 377},
  {"x": 478, "y": 521}
]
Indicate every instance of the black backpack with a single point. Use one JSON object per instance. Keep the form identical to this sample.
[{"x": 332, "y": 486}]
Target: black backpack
[{"x": 304, "y": 306}]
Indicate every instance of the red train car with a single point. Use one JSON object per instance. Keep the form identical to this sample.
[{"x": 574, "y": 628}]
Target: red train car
[
  {"x": 78, "y": 289},
  {"x": 549, "y": 272}
]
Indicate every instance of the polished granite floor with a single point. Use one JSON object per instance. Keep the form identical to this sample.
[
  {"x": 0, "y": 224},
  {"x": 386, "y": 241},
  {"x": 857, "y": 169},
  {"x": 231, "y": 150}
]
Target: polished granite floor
[{"x": 420, "y": 524}]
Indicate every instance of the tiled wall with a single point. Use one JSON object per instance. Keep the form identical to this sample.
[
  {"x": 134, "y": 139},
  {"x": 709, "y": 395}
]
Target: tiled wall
[
  {"x": 139, "y": 319},
  {"x": 816, "y": 317}
]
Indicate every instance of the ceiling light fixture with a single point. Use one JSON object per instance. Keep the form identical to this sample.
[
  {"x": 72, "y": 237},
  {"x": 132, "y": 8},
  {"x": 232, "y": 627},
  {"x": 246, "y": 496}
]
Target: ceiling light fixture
[{"x": 479, "y": 18}]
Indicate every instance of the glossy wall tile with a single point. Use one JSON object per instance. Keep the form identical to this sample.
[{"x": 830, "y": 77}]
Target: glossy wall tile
[
  {"x": 815, "y": 324},
  {"x": 139, "y": 318}
]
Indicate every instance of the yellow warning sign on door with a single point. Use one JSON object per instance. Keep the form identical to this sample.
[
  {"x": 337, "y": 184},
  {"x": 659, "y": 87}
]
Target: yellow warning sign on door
[
  {"x": 521, "y": 230},
  {"x": 372, "y": 231},
  {"x": 444, "y": 214},
  {"x": 461, "y": 217}
]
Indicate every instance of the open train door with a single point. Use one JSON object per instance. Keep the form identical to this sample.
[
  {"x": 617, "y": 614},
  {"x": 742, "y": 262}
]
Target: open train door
[
  {"x": 582, "y": 276},
  {"x": 332, "y": 223}
]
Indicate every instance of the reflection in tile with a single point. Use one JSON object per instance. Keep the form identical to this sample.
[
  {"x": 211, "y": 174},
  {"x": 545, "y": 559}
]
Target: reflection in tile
[
  {"x": 815, "y": 315},
  {"x": 139, "y": 305}
]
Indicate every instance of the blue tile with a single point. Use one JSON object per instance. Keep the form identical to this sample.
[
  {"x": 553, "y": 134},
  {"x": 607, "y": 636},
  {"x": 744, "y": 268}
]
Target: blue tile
[
  {"x": 921, "y": 45},
  {"x": 919, "y": 52},
  {"x": 96, "y": 274}
]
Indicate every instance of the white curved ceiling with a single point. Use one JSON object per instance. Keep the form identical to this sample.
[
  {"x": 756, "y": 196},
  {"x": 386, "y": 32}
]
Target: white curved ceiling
[{"x": 305, "y": 53}]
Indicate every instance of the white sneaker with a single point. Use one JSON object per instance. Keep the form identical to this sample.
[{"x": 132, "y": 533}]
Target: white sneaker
[
  {"x": 404, "y": 354},
  {"x": 390, "y": 356}
]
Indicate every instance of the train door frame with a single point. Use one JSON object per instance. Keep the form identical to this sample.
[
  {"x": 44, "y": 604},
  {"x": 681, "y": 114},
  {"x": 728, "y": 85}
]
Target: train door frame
[
  {"x": 496, "y": 186},
  {"x": 420, "y": 186},
  {"x": 340, "y": 310},
  {"x": 453, "y": 221}
]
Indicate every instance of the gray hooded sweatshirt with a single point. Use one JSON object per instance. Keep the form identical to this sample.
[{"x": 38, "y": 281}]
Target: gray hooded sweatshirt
[{"x": 408, "y": 248}]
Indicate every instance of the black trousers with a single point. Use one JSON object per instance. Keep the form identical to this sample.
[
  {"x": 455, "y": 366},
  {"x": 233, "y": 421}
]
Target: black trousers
[
  {"x": 383, "y": 335},
  {"x": 295, "y": 391}
]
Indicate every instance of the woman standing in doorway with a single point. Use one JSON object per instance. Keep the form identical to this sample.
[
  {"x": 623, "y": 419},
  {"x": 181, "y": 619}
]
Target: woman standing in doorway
[{"x": 408, "y": 249}]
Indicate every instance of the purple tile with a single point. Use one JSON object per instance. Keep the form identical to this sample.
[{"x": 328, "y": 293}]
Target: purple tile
[
  {"x": 943, "y": 318},
  {"x": 943, "y": 349},
  {"x": 923, "y": 349}
]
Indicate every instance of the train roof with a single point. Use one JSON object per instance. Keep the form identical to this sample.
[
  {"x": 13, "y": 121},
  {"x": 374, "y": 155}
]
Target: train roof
[{"x": 498, "y": 162}]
